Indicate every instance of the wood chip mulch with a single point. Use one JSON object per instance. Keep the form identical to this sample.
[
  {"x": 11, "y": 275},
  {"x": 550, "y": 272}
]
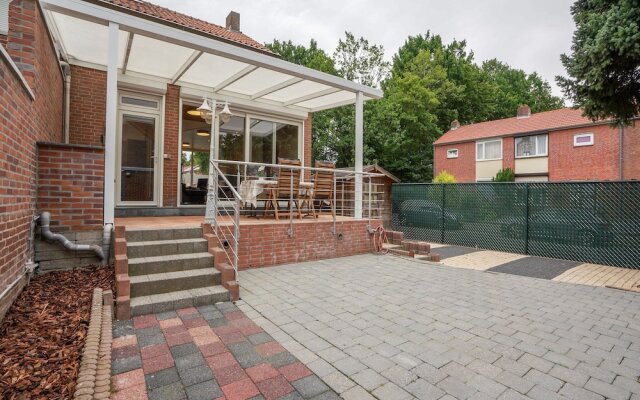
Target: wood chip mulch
[{"x": 42, "y": 335}]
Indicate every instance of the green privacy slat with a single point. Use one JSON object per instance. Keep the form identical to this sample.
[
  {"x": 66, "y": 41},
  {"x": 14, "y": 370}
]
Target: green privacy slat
[{"x": 596, "y": 222}]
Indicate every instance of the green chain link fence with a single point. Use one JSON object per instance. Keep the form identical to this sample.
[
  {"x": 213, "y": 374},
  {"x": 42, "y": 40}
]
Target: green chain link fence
[{"x": 595, "y": 222}]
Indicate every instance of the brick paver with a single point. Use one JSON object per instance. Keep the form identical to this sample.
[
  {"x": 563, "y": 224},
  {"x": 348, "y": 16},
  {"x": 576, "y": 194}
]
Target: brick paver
[
  {"x": 209, "y": 352},
  {"x": 392, "y": 328}
]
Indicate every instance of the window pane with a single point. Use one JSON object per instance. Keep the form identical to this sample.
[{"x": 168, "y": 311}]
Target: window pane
[
  {"x": 261, "y": 141},
  {"x": 542, "y": 144},
  {"x": 492, "y": 150},
  {"x": 480, "y": 151},
  {"x": 139, "y": 102},
  {"x": 525, "y": 146},
  {"x": 286, "y": 141},
  {"x": 137, "y": 167},
  {"x": 232, "y": 139}
]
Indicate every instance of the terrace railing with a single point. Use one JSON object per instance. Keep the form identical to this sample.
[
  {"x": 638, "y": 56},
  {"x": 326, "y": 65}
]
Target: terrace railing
[{"x": 250, "y": 189}]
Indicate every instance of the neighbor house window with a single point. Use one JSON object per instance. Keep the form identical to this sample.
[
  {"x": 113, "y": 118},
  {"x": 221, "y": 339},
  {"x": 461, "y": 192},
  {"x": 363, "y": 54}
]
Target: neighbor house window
[
  {"x": 489, "y": 150},
  {"x": 583, "y": 139},
  {"x": 452, "y": 153},
  {"x": 4, "y": 17},
  {"x": 531, "y": 146}
]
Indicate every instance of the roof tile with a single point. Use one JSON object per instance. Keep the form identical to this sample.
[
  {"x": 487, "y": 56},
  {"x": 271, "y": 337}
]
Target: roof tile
[
  {"x": 167, "y": 15},
  {"x": 555, "y": 119}
]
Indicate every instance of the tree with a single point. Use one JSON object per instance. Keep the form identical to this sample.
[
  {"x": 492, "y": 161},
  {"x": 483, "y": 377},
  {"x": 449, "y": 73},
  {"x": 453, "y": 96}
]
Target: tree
[
  {"x": 444, "y": 177},
  {"x": 359, "y": 61},
  {"x": 312, "y": 56},
  {"x": 604, "y": 64},
  {"x": 505, "y": 175}
]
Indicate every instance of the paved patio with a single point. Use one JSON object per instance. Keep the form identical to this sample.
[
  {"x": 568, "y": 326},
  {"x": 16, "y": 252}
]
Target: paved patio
[
  {"x": 204, "y": 353},
  {"x": 392, "y": 328}
]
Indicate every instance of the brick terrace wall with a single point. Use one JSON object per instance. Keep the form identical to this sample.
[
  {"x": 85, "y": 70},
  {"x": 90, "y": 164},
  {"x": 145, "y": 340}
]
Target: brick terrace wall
[
  {"x": 172, "y": 117},
  {"x": 88, "y": 99},
  {"x": 269, "y": 244},
  {"x": 631, "y": 151},
  {"x": 598, "y": 162},
  {"x": 71, "y": 186},
  {"x": 23, "y": 122},
  {"x": 463, "y": 167}
]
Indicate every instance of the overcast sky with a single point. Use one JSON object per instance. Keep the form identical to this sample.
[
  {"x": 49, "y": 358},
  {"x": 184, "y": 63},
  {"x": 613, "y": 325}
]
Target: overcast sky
[{"x": 529, "y": 35}]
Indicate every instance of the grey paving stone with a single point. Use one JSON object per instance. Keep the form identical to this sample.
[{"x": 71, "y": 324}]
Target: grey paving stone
[
  {"x": 123, "y": 328},
  {"x": 150, "y": 340},
  {"x": 166, "y": 315},
  {"x": 120, "y": 365},
  {"x": 189, "y": 361},
  {"x": 349, "y": 366},
  {"x": 573, "y": 392},
  {"x": 162, "y": 378},
  {"x": 204, "y": 391},
  {"x": 391, "y": 391},
  {"x": 544, "y": 380},
  {"x": 455, "y": 387},
  {"x": 607, "y": 390},
  {"x": 310, "y": 386},
  {"x": 514, "y": 382},
  {"x": 357, "y": 393},
  {"x": 217, "y": 322},
  {"x": 324, "y": 396},
  {"x": 369, "y": 379},
  {"x": 424, "y": 390},
  {"x": 569, "y": 375},
  {"x": 260, "y": 338},
  {"x": 197, "y": 374},
  {"x": 174, "y": 391},
  {"x": 182, "y": 350},
  {"x": 246, "y": 354},
  {"x": 281, "y": 359}
]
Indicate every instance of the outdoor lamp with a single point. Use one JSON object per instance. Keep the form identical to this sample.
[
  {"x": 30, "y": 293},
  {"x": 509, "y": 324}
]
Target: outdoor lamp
[{"x": 225, "y": 114}]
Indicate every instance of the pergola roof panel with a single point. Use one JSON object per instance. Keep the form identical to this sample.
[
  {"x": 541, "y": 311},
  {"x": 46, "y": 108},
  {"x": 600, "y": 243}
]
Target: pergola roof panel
[
  {"x": 257, "y": 81},
  {"x": 297, "y": 90},
  {"x": 154, "y": 57},
  {"x": 211, "y": 70},
  {"x": 333, "y": 98}
]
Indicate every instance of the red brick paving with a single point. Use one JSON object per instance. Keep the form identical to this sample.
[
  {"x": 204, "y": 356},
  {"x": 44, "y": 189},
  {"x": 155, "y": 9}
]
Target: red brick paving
[
  {"x": 229, "y": 374},
  {"x": 274, "y": 388},
  {"x": 235, "y": 382},
  {"x": 295, "y": 371},
  {"x": 240, "y": 390},
  {"x": 262, "y": 372}
]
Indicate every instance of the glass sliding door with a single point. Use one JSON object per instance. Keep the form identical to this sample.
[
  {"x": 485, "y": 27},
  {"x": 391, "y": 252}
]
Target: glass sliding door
[
  {"x": 272, "y": 140},
  {"x": 137, "y": 176}
]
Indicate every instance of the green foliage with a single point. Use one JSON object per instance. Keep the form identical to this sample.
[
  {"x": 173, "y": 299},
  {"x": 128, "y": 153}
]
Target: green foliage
[
  {"x": 428, "y": 85},
  {"x": 505, "y": 175},
  {"x": 444, "y": 177},
  {"x": 201, "y": 159},
  {"x": 604, "y": 64}
]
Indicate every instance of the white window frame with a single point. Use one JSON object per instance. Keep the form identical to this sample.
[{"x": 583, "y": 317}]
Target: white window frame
[
  {"x": 483, "y": 142},
  {"x": 546, "y": 150},
  {"x": 578, "y": 135},
  {"x": 452, "y": 153},
  {"x": 4, "y": 17}
]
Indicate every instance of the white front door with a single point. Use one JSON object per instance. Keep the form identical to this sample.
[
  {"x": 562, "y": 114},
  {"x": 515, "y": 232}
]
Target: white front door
[{"x": 138, "y": 175}]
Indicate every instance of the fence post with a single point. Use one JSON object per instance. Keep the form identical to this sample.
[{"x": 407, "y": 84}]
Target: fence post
[
  {"x": 442, "y": 216},
  {"x": 526, "y": 218}
]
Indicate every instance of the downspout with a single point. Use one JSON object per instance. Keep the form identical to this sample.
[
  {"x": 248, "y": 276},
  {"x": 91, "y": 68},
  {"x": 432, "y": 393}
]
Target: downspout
[
  {"x": 621, "y": 152},
  {"x": 66, "y": 69},
  {"x": 45, "y": 218}
]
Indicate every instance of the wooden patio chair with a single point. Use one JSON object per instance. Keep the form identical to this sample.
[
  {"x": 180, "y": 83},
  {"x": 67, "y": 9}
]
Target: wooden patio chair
[
  {"x": 288, "y": 188},
  {"x": 322, "y": 189}
]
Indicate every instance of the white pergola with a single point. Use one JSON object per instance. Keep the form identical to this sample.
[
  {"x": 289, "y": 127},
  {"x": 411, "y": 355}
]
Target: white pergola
[{"x": 144, "y": 52}]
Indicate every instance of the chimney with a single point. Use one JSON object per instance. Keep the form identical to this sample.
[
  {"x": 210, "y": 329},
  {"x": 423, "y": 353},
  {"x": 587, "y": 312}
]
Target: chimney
[
  {"x": 455, "y": 124},
  {"x": 233, "y": 21},
  {"x": 524, "y": 111}
]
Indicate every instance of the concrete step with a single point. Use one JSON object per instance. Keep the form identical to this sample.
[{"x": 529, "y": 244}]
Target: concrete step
[
  {"x": 141, "y": 235},
  {"x": 169, "y": 263},
  {"x": 146, "y": 285},
  {"x": 179, "y": 299},
  {"x": 156, "y": 248}
]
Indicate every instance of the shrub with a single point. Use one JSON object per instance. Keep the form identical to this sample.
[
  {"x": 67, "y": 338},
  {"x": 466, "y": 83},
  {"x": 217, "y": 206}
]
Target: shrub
[
  {"x": 505, "y": 175},
  {"x": 444, "y": 177}
]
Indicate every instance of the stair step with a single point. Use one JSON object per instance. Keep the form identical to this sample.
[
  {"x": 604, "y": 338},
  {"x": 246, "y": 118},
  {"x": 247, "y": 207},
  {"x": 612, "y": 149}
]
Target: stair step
[
  {"x": 154, "y": 248},
  {"x": 141, "y": 235},
  {"x": 169, "y": 263},
  {"x": 179, "y": 299},
  {"x": 145, "y": 285}
]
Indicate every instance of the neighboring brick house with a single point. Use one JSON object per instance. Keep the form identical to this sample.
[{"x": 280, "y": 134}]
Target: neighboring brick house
[
  {"x": 558, "y": 145},
  {"x": 98, "y": 102}
]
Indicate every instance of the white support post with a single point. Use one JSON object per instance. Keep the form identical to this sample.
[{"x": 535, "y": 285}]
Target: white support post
[
  {"x": 111, "y": 128},
  {"x": 211, "y": 211},
  {"x": 359, "y": 153}
]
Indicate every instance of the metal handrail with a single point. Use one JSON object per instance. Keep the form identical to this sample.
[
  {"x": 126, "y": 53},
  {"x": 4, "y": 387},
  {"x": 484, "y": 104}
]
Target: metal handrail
[{"x": 300, "y": 167}]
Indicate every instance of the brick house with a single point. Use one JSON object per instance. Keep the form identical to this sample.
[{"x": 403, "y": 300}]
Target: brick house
[
  {"x": 559, "y": 145},
  {"x": 99, "y": 108}
]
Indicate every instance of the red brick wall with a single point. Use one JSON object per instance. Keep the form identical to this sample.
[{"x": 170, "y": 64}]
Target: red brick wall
[
  {"x": 71, "y": 186},
  {"x": 23, "y": 122},
  {"x": 598, "y": 162},
  {"x": 462, "y": 168},
  {"x": 172, "y": 117},
  {"x": 88, "y": 98},
  {"x": 631, "y": 149},
  {"x": 509, "y": 153},
  {"x": 269, "y": 244}
]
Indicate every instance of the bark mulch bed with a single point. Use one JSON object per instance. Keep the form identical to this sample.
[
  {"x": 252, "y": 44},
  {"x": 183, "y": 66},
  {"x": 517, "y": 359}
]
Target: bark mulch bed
[{"x": 42, "y": 335}]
